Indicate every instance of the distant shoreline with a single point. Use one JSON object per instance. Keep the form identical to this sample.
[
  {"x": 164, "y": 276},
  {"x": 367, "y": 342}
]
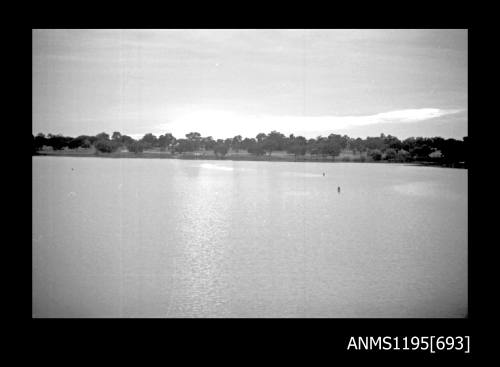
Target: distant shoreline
[{"x": 233, "y": 157}]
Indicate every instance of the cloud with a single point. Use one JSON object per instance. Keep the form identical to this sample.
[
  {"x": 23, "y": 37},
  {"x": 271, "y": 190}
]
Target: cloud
[
  {"x": 408, "y": 115},
  {"x": 225, "y": 123},
  {"x": 220, "y": 123}
]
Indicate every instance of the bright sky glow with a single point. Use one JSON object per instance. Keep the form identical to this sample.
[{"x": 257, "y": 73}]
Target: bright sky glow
[{"x": 224, "y": 123}]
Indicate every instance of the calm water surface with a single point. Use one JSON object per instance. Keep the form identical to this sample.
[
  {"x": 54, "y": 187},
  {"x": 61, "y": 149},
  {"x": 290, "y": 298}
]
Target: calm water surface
[{"x": 179, "y": 238}]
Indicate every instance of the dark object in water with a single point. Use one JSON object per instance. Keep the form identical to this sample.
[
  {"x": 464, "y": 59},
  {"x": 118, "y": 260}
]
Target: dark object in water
[
  {"x": 338, "y": 189},
  {"x": 323, "y": 173}
]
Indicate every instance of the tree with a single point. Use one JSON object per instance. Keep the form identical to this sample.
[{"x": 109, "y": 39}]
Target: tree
[
  {"x": 376, "y": 155},
  {"x": 220, "y": 149},
  {"x": 333, "y": 145},
  {"x": 260, "y": 137},
  {"x": 106, "y": 146},
  {"x": 296, "y": 145},
  {"x": 421, "y": 152},
  {"x": 273, "y": 141},
  {"x": 297, "y": 149},
  {"x": 390, "y": 154},
  {"x": 135, "y": 146},
  {"x": 58, "y": 142},
  {"x": 256, "y": 149},
  {"x": 81, "y": 141},
  {"x": 466, "y": 149},
  {"x": 316, "y": 145},
  {"x": 289, "y": 142},
  {"x": 277, "y": 140},
  {"x": 149, "y": 141},
  {"x": 208, "y": 143},
  {"x": 300, "y": 140},
  {"x": 92, "y": 139},
  {"x": 392, "y": 142},
  {"x": 75, "y": 143},
  {"x": 102, "y": 136},
  {"x": 437, "y": 142},
  {"x": 247, "y": 143},
  {"x": 345, "y": 142},
  {"x": 116, "y": 137},
  {"x": 127, "y": 140},
  {"x": 445, "y": 151},
  {"x": 408, "y": 144},
  {"x": 39, "y": 141},
  {"x": 236, "y": 143},
  {"x": 195, "y": 140},
  {"x": 184, "y": 145},
  {"x": 358, "y": 145},
  {"x": 375, "y": 143},
  {"x": 165, "y": 141},
  {"x": 454, "y": 151},
  {"x": 402, "y": 156},
  {"x": 193, "y": 136}
]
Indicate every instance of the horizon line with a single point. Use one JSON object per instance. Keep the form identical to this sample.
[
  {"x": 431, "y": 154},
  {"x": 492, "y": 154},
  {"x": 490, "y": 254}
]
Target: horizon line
[{"x": 140, "y": 136}]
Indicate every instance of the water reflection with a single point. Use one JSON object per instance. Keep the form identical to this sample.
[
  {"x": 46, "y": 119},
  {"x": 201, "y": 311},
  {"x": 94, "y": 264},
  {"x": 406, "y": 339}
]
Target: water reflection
[
  {"x": 215, "y": 166},
  {"x": 199, "y": 267},
  {"x": 427, "y": 189}
]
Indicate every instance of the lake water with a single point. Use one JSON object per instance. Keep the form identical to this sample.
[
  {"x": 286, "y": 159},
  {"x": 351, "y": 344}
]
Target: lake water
[{"x": 179, "y": 238}]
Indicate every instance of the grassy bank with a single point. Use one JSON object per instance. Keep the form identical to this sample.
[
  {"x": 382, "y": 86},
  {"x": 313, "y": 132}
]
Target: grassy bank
[{"x": 279, "y": 156}]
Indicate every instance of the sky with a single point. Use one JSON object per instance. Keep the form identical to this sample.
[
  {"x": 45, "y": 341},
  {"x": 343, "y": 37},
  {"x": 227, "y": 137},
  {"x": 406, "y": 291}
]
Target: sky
[{"x": 223, "y": 83}]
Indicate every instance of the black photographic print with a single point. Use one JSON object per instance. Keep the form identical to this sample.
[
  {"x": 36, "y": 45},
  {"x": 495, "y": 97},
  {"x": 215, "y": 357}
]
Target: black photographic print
[{"x": 250, "y": 173}]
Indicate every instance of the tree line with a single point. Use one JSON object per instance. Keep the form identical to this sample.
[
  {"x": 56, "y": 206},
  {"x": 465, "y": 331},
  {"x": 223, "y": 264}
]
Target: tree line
[{"x": 383, "y": 147}]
